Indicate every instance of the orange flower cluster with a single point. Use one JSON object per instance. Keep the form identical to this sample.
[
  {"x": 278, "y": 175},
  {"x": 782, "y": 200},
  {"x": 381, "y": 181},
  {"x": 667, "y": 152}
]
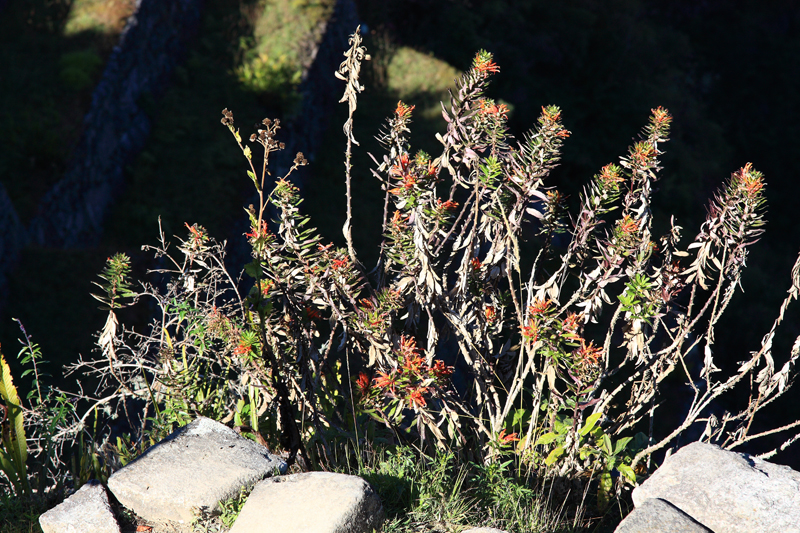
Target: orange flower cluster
[
  {"x": 628, "y": 226},
  {"x": 539, "y": 307},
  {"x": 254, "y": 233},
  {"x": 570, "y": 326},
  {"x": 661, "y": 117},
  {"x": 266, "y": 286},
  {"x": 551, "y": 120},
  {"x": 642, "y": 154},
  {"x": 530, "y": 332},
  {"x": 403, "y": 110},
  {"x": 448, "y": 205},
  {"x": 748, "y": 182},
  {"x": 586, "y": 359},
  {"x": 403, "y": 171},
  {"x": 610, "y": 176},
  {"x": 341, "y": 263},
  {"x": 412, "y": 380},
  {"x": 242, "y": 349},
  {"x": 507, "y": 439},
  {"x": 483, "y": 63},
  {"x": 196, "y": 233},
  {"x": 488, "y": 107}
]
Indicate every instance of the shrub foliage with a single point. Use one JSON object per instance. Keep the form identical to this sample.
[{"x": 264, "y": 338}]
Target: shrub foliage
[{"x": 563, "y": 327}]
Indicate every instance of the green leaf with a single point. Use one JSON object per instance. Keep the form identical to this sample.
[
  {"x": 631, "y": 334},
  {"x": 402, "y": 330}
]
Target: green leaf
[
  {"x": 590, "y": 422},
  {"x": 627, "y": 472},
  {"x": 607, "y": 447},
  {"x": 621, "y": 444},
  {"x": 520, "y": 415},
  {"x": 557, "y": 452},
  {"x": 547, "y": 438},
  {"x": 253, "y": 269}
]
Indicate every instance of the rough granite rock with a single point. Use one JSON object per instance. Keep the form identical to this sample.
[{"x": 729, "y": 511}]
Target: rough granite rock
[
  {"x": 191, "y": 470},
  {"x": 86, "y": 510},
  {"x": 312, "y": 502},
  {"x": 727, "y": 491},
  {"x": 659, "y": 516}
]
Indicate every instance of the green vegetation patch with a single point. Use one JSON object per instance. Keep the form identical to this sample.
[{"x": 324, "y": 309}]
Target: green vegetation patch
[{"x": 102, "y": 16}]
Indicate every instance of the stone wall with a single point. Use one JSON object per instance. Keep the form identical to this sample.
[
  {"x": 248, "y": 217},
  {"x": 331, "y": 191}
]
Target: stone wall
[{"x": 116, "y": 127}]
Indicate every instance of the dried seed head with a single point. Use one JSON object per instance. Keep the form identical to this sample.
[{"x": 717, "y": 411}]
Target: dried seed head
[
  {"x": 227, "y": 117},
  {"x": 253, "y": 137}
]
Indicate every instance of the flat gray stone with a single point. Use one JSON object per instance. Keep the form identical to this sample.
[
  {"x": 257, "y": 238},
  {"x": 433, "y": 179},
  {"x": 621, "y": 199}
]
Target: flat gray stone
[
  {"x": 312, "y": 502},
  {"x": 727, "y": 491},
  {"x": 191, "y": 470},
  {"x": 658, "y": 516},
  {"x": 86, "y": 510}
]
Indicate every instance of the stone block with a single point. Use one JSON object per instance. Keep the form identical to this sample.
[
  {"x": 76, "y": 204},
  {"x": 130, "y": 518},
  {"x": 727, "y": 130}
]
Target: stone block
[
  {"x": 659, "y": 516},
  {"x": 191, "y": 470},
  {"x": 86, "y": 510},
  {"x": 312, "y": 502},
  {"x": 727, "y": 491}
]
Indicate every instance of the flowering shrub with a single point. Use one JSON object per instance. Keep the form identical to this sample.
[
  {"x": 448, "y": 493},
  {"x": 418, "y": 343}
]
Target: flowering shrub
[{"x": 563, "y": 358}]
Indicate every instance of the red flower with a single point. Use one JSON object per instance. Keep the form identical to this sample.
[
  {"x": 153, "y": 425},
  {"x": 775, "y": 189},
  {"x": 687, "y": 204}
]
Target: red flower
[
  {"x": 476, "y": 263},
  {"x": 530, "y": 332},
  {"x": 588, "y": 355},
  {"x": 408, "y": 347},
  {"x": 385, "y": 381},
  {"x": 488, "y": 107},
  {"x": 258, "y": 233},
  {"x": 550, "y": 116},
  {"x": 483, "y": 63},
  {"x": 440, "y": 370},
  {"x": 196, "y": 233},
  {"x": 642, "y": 153},
  {"x": 571, "y": 324},
  {"x": 661, "y": 117},
  {"x": 749, "y": 182},
  {"x": 413, "y": 364},
  {"x": 628, "y": 226},
  {"x": 490, "y": 313},
  {"x": 403, "y": 110},
  {"x": 539, "y": 307},
  {"x": 363, "y": 385},
  {"x": 242, "y": 349},
  {"x": 505, "y": 439},
  {"x": 266, "y": 286},
  {"x": 340, "y": 263},
  {"x": 416, "y": 398},
  {"x": 448, "y": 205},
  {"x": 610, "y": 176}
]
